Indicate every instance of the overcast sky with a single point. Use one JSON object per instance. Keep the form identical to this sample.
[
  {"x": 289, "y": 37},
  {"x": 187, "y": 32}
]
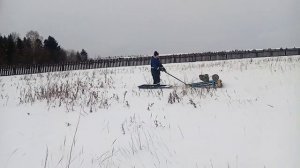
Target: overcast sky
[{"x": 138, "y": 27}]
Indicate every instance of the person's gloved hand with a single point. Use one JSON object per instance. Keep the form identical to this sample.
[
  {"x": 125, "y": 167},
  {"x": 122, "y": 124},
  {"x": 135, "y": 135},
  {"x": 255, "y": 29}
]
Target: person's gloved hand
[{"x": 163, "y": 69}]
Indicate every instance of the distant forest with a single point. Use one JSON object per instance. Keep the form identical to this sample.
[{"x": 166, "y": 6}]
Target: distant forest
[{"x": 32, "y": 49}]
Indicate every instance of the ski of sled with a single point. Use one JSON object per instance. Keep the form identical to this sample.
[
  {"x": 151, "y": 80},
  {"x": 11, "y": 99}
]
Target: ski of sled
[
  {"x": 149, "y": 86},
  {"x": 203, "y": 85},
  {"x": 194, "y": 85}
]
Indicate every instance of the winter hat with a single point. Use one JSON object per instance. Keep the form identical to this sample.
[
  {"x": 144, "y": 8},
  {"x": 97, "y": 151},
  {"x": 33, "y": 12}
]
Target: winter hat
[{"x": 156, "y": 53}]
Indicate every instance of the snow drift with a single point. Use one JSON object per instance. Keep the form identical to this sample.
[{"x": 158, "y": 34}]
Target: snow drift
[{"x": 99, "y": 118}]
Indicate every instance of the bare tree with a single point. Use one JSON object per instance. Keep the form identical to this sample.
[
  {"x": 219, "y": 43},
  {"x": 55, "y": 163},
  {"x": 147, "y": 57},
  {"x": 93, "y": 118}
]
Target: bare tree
[
  {"x": 35, "y": 41},
  {"x": 15, "y": 36},
  {"x": 33, "y": 35}
]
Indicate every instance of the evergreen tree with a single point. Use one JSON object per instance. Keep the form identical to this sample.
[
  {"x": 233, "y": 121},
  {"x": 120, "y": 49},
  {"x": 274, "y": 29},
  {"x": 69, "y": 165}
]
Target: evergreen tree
[
  {"x": 2, "y": 51},
  {"x": 83, "y": 55},
  {"x": 52, "y": 48},
  {"x": 39, "y": 52},
  {"x": 31, "y": 50},
  {"x": 78, "y": 57},
  {"x": 20, "y": 51},
  {"x": 11, "y": 49},
  {"x": 27, "y": 52}
]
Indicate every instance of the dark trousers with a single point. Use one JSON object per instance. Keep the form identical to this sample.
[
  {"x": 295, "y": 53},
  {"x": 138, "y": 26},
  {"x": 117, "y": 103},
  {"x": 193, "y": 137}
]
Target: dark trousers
[{"x": 156, "y": 76}]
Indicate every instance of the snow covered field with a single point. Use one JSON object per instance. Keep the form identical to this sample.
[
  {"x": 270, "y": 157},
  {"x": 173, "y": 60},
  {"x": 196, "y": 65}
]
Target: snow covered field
[{"x": 99, "y": 118}]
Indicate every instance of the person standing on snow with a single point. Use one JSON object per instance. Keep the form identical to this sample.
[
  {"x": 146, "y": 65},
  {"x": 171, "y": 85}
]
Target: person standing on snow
[{"x": 156, "y": 67}]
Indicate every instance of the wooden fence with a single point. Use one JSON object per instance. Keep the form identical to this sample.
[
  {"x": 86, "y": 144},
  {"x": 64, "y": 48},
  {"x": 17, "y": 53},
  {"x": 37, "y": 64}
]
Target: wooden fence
[{"x": 135, "y": 61}]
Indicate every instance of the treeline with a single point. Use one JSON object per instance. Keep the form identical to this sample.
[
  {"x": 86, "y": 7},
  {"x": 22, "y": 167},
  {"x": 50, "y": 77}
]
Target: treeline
[{"x": 32, "y": 49}]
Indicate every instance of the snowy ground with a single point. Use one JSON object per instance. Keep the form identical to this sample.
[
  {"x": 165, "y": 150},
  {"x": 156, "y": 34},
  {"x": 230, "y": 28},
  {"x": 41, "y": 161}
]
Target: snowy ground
[{"x": 98, "y": 118}]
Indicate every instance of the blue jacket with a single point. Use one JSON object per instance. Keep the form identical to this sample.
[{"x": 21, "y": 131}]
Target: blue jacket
[{"x": 155, "y": 63}]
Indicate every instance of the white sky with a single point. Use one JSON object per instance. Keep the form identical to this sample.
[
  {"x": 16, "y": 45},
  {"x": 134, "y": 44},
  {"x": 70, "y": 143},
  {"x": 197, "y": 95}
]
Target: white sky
[{"x": 134, "y": 27}]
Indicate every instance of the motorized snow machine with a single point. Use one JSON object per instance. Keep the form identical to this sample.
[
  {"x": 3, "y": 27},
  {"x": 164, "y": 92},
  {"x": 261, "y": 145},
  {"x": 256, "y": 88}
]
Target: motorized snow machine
[{"x": 206, "y": 83}]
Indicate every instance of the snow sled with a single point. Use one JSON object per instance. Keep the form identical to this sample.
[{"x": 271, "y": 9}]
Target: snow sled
[
  {"x": 214, "y": 83},
  {"x": 149, "y": 86}
]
